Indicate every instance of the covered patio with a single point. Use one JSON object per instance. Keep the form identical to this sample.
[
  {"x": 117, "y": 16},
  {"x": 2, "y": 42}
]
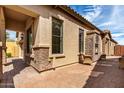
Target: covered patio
[{"x": 17, "y": 19}]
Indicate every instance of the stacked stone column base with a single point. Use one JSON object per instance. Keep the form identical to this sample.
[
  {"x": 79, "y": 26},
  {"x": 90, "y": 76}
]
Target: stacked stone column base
[{"x": 40, "y": 59}]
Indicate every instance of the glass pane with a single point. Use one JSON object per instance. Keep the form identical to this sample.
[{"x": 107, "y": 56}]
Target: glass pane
[
  {"x": 56, "y": 29},
  {"x": 57, "y": 40},
  {"x": 61, "y": 44},
  {"x": 55, "y": 48},
  {"x": 29, "y": 41},
  {"x": 81, "y": 40}
]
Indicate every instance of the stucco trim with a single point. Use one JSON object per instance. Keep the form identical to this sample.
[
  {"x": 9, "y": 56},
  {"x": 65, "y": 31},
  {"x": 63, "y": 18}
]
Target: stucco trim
[
  {"x": 41, "y": 46},
  {"x": 93, "y": 32},
  {"x": 57, "y": 55}
]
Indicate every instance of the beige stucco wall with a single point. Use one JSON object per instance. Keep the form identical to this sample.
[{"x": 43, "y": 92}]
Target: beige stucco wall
[
  {"x": 109, "y": 46},
  {"x": 112, "y": 47},
  {"x": 43, "y": 34}
]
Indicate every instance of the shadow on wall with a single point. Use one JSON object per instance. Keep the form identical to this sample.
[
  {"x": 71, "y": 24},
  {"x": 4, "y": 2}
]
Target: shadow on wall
[
  {"x": 106, "y": 74},
  {"x": 8, "y": 76}
]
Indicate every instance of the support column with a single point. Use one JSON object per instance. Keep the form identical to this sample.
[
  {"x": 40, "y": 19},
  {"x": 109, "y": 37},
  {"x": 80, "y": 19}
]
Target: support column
[
  {"x": 3, "y": 35},
  {"x": 2, "y": 41},
  {"x": 1, "y": 70},
  {"x": 40, "y": 53},
  {"x": 40, "y": 61}
]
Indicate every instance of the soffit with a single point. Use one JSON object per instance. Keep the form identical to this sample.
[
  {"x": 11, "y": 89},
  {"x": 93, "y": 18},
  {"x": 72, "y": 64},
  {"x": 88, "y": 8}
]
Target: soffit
[{"x": 11, "y": 14}]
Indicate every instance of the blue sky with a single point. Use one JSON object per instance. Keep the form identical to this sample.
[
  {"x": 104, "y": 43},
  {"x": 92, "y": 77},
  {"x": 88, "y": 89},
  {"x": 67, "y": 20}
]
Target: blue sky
[
  {"x": 105, "y": 17},
  {"x": 12, "y": 34}
]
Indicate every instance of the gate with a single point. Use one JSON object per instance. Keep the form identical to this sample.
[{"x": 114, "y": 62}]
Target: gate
[{"x": 119, "y": 50}]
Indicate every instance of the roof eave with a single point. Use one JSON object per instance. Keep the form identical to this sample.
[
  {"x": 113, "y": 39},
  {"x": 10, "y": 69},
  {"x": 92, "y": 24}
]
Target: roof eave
[{"x": 77, "y": 16}]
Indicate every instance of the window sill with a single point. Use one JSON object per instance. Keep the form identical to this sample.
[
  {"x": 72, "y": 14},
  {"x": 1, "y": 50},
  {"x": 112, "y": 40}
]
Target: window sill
[
  {"x": 81, "y": 54},
  {"x": 57, "y": 56}
]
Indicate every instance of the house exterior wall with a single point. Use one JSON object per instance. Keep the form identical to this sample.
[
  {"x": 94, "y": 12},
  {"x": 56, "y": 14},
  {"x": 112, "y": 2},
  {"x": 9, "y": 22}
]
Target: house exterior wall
[
  {"x": 2, "y": 35},
  {"x": 107, "y": 48},
  {"x": 43, "y": 39},
  {"x": 112, "y": 48},
  {"x": 41, "y": 57},
  {"x": 108, "y": 45}
]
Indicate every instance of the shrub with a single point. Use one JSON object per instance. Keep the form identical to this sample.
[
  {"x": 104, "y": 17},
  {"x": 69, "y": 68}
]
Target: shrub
[{"x": 9, "y": 55}]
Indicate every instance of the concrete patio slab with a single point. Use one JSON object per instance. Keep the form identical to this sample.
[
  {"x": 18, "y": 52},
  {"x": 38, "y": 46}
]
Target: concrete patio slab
[{"x": 18, "y": 74}]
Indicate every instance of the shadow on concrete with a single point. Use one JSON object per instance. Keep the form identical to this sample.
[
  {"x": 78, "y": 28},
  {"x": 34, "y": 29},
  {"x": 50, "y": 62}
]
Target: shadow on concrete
[
  {"x": 106, "y": 74},
  {"x": 8, "y": 76}
]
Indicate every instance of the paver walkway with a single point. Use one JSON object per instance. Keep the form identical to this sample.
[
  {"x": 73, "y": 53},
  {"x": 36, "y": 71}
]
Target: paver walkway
[
  {"x": 106, "y": 74},
  {"x": 100, "y": 74}
]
